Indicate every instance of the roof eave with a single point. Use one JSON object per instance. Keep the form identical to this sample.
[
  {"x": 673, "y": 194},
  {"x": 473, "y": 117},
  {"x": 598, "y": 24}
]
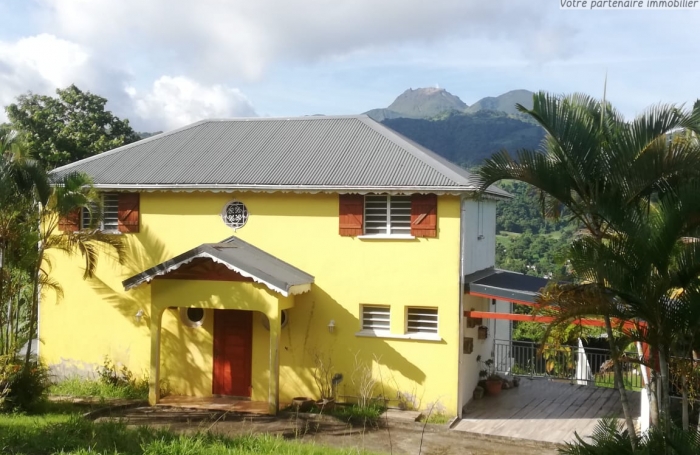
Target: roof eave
[{"x": 455, "y": 190}]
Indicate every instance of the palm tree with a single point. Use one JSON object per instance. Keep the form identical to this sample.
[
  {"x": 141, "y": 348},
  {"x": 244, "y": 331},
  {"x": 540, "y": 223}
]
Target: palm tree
[
  {"x": 71, "y": 193},
  {"x": 31, "y": 205},
  {"x": 650, "y": 272},
  {"x": 593, "y": 164},
  {"x": 18, "y": 179}
]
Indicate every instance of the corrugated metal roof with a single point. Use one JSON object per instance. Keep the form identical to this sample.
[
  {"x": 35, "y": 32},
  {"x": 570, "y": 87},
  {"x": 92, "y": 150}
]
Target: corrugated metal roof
[
  {"x": 239, "y": 256},
  {"x": 505, "y": 285},
  {"x": 305, "y": 153}
]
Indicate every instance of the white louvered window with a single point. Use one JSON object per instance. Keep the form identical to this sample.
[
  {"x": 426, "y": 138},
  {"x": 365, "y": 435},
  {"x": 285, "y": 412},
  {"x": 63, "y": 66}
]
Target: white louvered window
[
  {"x": 108, "y": 219},
  {"x": 422, "y": 320},
  {"x": 387, "y": 215},
  {"x": 376, "y": 318}
]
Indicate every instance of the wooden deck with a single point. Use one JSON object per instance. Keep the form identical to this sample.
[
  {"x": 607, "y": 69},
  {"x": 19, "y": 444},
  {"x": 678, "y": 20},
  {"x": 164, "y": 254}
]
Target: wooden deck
[
  {"x": 543, "y": 410},
  {"x": 216, "y": 404}
]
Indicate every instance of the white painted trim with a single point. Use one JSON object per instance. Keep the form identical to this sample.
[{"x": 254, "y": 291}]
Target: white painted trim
[
  {"x": 386, "y": 237},
  {"x": 407, "y": 336},
  {"x": 439, "y": 190},
  {"x": 460, "y": 353},
  {"x": 300, "y": 288}
]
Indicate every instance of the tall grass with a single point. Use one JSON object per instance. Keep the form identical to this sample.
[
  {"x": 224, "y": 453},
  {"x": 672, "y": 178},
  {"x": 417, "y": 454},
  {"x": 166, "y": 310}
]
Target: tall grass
[
  {"x": 80, "y": 387},
  {"x": 75, "y": 435}
]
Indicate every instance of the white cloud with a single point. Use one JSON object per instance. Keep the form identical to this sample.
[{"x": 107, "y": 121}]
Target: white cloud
[
  {"x": 242, "y": 39},
  {"x": 176, "y": 101},
  {"x": 40, "y": 64},
  {"x": 44, "y": 62}
]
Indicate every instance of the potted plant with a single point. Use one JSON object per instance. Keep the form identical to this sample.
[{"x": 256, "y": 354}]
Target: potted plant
[{"x": 494, "y": 383}]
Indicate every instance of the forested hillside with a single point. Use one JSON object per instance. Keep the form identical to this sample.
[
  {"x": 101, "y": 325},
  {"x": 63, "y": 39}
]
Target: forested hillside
[
  {"x": 467, "y": 139},
  {"x": 526, "y": 242}
]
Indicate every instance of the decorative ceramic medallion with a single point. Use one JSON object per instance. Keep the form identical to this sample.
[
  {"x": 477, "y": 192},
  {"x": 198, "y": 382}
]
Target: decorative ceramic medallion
[{"x": 235, "y": 214}]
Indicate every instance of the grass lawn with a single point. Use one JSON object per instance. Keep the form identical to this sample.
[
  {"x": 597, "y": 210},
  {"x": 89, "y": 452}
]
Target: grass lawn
[{"x": 61, "y": 430}]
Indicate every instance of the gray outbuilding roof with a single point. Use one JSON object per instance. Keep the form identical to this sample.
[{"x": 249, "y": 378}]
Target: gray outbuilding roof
[
  {"x": 241, "y": 257},
  {"x": 317, "y": 153},
  {"x": 505, "y": 285}
]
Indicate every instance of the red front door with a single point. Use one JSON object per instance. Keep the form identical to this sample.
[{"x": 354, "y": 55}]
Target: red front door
[{"x": 233, "y": 349}]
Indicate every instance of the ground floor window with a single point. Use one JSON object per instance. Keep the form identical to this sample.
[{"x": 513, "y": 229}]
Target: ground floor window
[
  {"x": 422, "y": 320},
  {"x": 375, "y": 317}
]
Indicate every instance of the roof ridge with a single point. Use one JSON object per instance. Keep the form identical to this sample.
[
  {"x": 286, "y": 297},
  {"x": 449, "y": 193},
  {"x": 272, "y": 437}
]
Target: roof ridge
[
  {"x": 128, "y": 146},
  {"x": 286, "y": 117}
]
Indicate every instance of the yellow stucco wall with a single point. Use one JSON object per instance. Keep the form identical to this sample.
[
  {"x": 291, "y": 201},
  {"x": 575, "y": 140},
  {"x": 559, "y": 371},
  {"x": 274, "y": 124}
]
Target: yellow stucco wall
[{"x": 97, "y": 318}]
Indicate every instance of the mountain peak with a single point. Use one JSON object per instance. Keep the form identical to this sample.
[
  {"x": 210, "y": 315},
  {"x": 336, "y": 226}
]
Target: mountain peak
[
  {"x": 430, "y": 102},
  {"x": 504, "y": 103},
  {"x": 426, "y": 102}
]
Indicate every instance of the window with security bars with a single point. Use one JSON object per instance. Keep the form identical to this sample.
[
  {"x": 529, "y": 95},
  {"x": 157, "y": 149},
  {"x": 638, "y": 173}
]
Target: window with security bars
[
  {"x": 387, "y": 215},
  {"x": 108, "y": 219},
  {"x": 422, "y": 320},
  {"x": 376, "y": 318}
]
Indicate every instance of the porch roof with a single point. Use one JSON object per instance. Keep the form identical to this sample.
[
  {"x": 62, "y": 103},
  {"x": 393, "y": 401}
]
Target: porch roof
[
  {"x": 241, "y": 257},
  {"x": 504, "y": 285}
]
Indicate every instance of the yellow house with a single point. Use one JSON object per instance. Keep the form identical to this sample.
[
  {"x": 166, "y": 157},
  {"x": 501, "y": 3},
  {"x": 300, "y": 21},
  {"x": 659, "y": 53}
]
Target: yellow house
[{"x": 268, "y": 257}]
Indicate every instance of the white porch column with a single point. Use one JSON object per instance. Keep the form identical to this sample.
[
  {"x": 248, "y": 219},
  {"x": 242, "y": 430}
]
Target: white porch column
[
  {"x": 154, "y": 377},
  {"x": 274, "y": 387}
]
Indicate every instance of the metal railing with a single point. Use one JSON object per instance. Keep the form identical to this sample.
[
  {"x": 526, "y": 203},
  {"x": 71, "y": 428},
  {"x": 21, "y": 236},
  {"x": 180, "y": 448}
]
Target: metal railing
[{"x": 590, "y": 366}]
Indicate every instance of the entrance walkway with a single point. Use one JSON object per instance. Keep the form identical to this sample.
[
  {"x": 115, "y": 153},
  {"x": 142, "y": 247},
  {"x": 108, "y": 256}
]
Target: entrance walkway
[
  {"x": 230, "y": 404},
  {"x": 543, "y": 410}
]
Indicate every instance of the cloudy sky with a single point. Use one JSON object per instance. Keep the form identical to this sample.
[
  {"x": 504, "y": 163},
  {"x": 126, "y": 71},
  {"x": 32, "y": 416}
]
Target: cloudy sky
[{"x": 166, "y": 63}]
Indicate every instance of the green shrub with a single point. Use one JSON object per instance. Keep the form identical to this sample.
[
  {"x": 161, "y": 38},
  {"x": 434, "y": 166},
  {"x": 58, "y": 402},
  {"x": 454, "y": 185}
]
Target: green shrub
[
  {"x": 360, "y": 415},
  {"x": 22, "y": 388}
]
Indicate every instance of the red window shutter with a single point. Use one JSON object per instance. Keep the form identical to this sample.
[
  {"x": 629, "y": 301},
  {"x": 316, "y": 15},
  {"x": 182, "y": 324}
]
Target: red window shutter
[
  {"x": 128, "y": 214},
  {"x": 424, "y": 215},
  {"x": 70, "y": 222},
  {"x": 351, "y": 210}
]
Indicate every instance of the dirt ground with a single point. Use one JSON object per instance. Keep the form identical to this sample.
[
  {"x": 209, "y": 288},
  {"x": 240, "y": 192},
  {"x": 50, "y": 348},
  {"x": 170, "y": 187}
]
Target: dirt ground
[{"x": 395, "y": 438}]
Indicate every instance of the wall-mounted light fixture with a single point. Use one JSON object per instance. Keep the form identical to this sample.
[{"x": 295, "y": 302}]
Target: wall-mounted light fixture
[
  {"x": 331, "y": 326},
  {"x": 139, "y": 315}
]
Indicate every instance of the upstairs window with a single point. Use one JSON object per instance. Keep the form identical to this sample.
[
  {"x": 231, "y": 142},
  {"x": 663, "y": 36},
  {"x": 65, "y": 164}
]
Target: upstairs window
[
  {"x": 422, "y": 320},
  {"x": 108, "y": 220},
  {"x": 376, "y": 318},
  {"x": 387, "y": 215},
  {"x": 120, "y": 213}
]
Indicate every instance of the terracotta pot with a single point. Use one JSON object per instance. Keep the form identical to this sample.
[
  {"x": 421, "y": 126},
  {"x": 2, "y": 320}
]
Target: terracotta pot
[
  {"x": 493, "y": 387},
  {"x": 325, "y": 404},
  {"x": 302, "y": 404}
]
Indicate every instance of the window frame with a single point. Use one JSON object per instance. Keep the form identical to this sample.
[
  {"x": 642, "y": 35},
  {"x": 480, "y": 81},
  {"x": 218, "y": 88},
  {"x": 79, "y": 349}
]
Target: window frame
[
  {"x": 114, "y": 211},
  {"x": 406, "y": 200},
  {"x": 423, "y": 332},
  {"x": 364, "y": 328}
]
